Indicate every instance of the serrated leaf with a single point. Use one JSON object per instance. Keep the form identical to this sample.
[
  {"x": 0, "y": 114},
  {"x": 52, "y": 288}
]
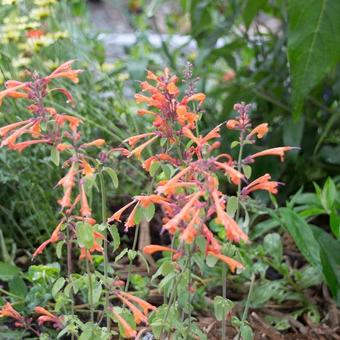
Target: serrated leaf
[
  {"x": 17, "y": 286},
  {"x": 113, "y": 176},
  {"x": 222, "y": 307}
]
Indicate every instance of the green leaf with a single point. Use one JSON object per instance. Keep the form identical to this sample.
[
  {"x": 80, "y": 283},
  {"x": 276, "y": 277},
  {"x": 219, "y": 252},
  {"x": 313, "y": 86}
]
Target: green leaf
[
  {"x": 18, "y": 286},
  {"x": 211, "y": 261},
  {"x": 251, "y": 9},
  {"x": 55, "y": 156},
  {"x": 149, "y": 212},
  {"x": 59, "y": 249},
  {"x": 273, "y": 246},
  {"x": 138, "y": 214},
  {"x": 232, "y": 205},
  {"x": 132, "y": 254},
  {"x": 302, "y": 235},
  {"x": 328, "y": 195},
  {"x": 96, "y": 291},
  {"x": 222, "y": 307},
  {"x": 153, "y": 168},
  {"x": 334, "y": 221},
  {"x": 246, "y": 332},
  {"x": 8, "y": 271},
  {"x": 115, "y": 236},
  {"x": 247, "y": 170},
  {"x": 57, "y": 286},
  {"x": 113, "y": 176},
  {"x": 121, "y": 254},
  {"x": 313, "y": 44},
  {"x": 234, "y": 144},
  {"x": 330, "y": 259},
  {"x": 85, "y": 235}
]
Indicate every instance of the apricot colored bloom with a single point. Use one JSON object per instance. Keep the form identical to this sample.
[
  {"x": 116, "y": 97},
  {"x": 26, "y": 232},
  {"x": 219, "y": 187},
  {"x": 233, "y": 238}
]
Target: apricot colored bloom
[
  {"x": 84, "y": 206},
  {"x": 137, "y": 314},
  {"x": 153, "y": 248},
  {"x": 146, "y": 306},
  {"x": 53, "y": 239},
  {"x": 235, "y": 175},
  {"x": 233, "y": 264},
  {"x": 232, "y": 124},
  {"x": 280, "y": 151},
  {"x": 259, "y": 130},
  {"x": 97, "y": 143},
  {"x": 173, "y": 180},
  {"x": 8, "y": 311},
  {"x": 23, "y": 145},
  {"x": 117, "y": 215},
  {"x": 138, "y": 151},
  {"x": 87, "y": 169},
  {"x": 73, "y": 121},
  {"x": 172, "y": 224},
  {"x": 145, "y": 201},
  {"x": 5, "y": 129},
  {"x": 68, "y": 183},
  {"x": 135, "y": 139},
  {"x": 234, "y": 232},
  {"x": 129, "y": 332},
  {"x": 160, "y": 157},
  {"x": 65, "y": 71},
  {"x": 12, "y": 91},
  {"x": 261, "y": 183},
  {"x": 46, "y": 316},
  {"x": 189, "y": 234},
  {"x": 11, "y": 139}
]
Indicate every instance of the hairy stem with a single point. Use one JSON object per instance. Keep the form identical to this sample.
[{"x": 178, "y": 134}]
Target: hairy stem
[
  {"x": 90, "y": 289},
  {"x": 106, "y": 258}
]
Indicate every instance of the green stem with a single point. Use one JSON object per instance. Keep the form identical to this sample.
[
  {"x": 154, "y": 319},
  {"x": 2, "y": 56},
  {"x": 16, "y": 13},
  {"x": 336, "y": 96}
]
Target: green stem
[
  {"x": 106, "y": 259},
  {"x": 246, "y": 308},
  {"x": 224, "y": 294},
  {"x": 189, "y": 291},
  {"x": 130, "y": 261},
  {"x": 89, "y": 275},
  {"x": 69, "y": 268},
  {"x": 239, "y": 168}
]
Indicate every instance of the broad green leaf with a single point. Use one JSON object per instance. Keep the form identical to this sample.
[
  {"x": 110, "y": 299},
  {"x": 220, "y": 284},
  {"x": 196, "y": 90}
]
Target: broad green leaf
[
  {"x": 246, "y": 332},
  {"x": 149, "y": 212},
  {"x": 222, "y": 307},
  {"x": 85, "y": 234},
  {"x": 313, "y": 44},
  {"x": 55, "y": 156},
  {"x": 113, "y": 176},
  {"x": 115, "y": 236},
  {"x": 303, "y": 236},
  {"x": 328, "y": 195},
  {"x": 57, "y": 286},
  {"x": 8, "y": 271},
  {"x": 334, "y": 221},
  {"x": 247, "y": 170},
  {"x": 232, "y": 205},
  {"x": 251, "y": 9},
  {"x": 59, "y": 249},
  {"x": 273, "y": 246},
  {"x": 330, "y": 260},
  {"x": 153, "y": 168},
  {"x": 18, "y": 286}
]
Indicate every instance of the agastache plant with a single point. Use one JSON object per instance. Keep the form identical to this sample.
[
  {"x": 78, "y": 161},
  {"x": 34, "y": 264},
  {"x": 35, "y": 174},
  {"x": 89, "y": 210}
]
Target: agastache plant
[
  {"x": 76, "y": 225},
  {"x": 190, "y": 195}
]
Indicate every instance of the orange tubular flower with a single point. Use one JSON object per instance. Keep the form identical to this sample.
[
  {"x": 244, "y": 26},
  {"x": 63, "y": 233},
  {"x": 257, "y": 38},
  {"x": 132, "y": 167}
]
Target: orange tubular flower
[
  {"x": 87, "y": 169},
  {"x": 137, "y": 314},
  {"x": 85, "y": 209},
  {"x": 171, "y": 225},
  {"x": 12, "y": 91},
  {"x": 145, "y": 201},
  {"x": 23, "y": 145},
  {"x": 117, "y": 215},
  {"x": 260, "y": 131},
  {"x": 65, "y": 71},
  {"x": 11, "y": 139},
  {"x": 232, "y": 124},
  {"x": 96, "y": 142},
  {"x": 67, "y": 182},
  {"x": 146, "y": 306},
  {"x": 235, "y": 175},
  {"x": 46, "y": 316},
  {"x": 233, "y": 264},
  {"x": 173, "y": 180},
  {"x": 153, "y": 248},
  {"x": 5, "y": 129},
  {"x": 190, "y": 233},
  {"x": 130, "y": 222},
  {"x": 128, "y": 331},
  {"x": 274, "y": 152},
  {"x": 139, "y": 149},
  {"x": 53, "y": 239},
  {"x": 234, "y": 233},
  {"x": 8, "y": 311},
  {"x": 261, "y": 183},
  {"x": 73, "y": 121},
  {"x": 135, "y": 139}
]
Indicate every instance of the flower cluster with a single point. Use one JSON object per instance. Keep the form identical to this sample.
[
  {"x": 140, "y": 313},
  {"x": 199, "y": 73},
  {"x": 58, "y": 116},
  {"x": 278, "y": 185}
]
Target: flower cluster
[{"x": 191, "y": 197}]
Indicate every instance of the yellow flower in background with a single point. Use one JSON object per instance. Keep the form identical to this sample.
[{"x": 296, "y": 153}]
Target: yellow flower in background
[{"x": 44, "y": 2}]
